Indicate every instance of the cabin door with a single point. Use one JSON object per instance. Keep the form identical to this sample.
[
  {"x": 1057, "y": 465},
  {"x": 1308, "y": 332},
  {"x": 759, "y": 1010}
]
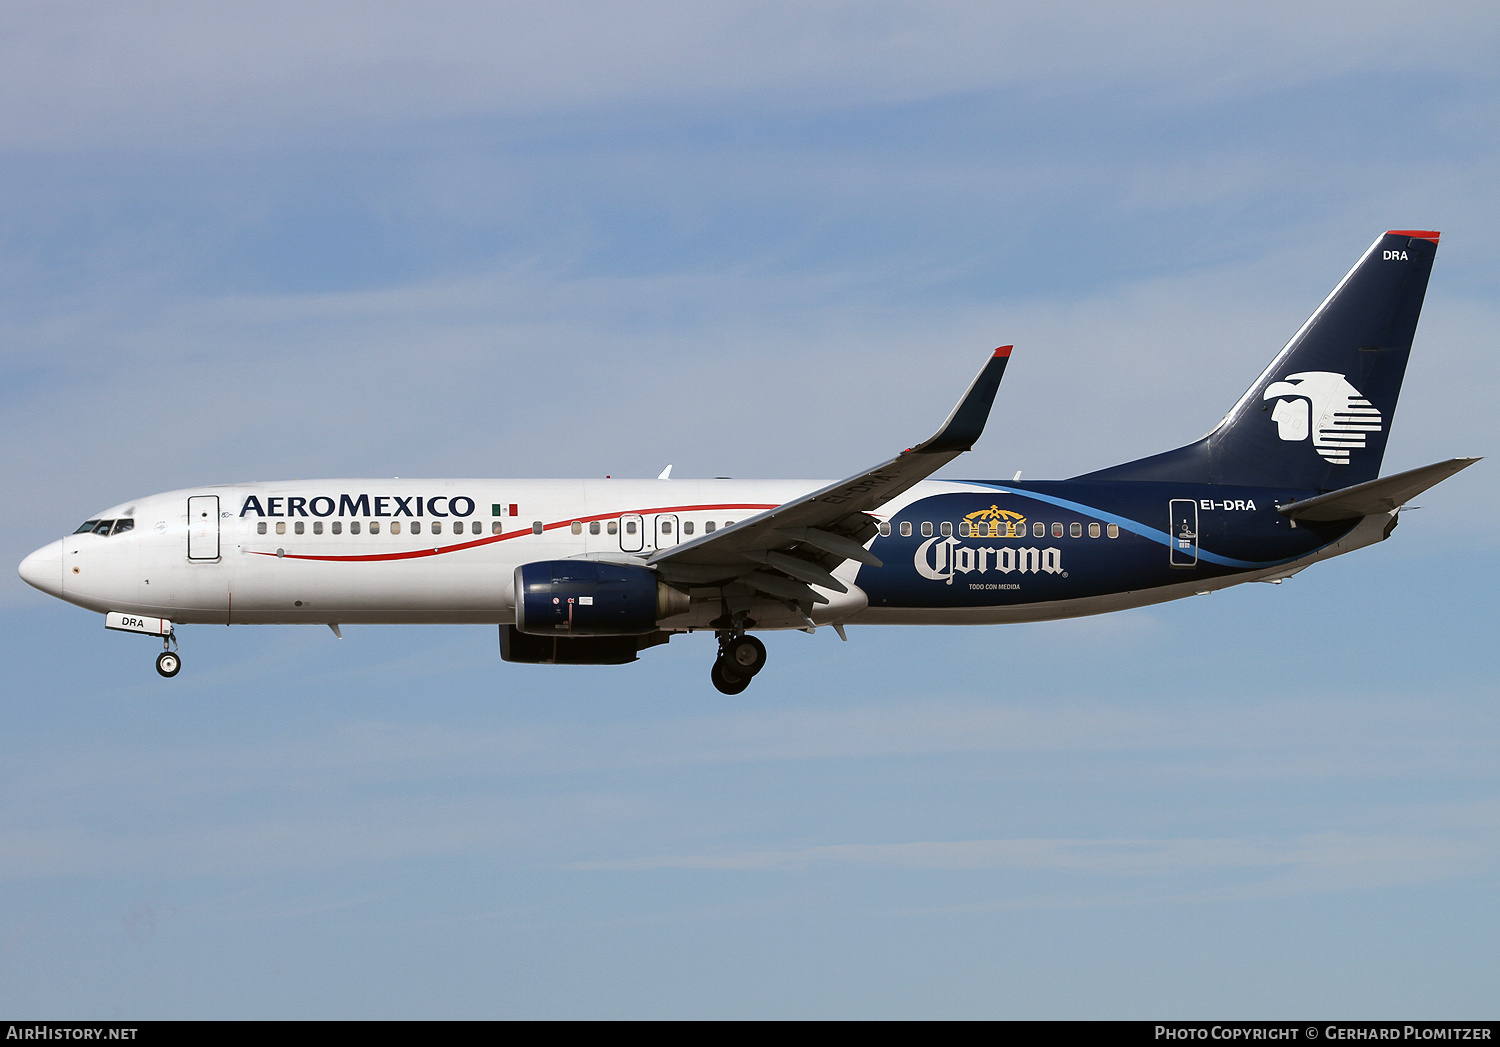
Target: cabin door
[
  {"x": 203, "y": 527},
  {"x": 1184, "y": 533}
]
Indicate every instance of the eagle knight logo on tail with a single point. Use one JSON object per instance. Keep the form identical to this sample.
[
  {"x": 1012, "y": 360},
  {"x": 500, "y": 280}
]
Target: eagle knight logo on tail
[{"x": 1327, "y": 407}]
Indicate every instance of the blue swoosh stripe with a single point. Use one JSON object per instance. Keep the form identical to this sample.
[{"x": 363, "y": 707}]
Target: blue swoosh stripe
[{"x": 1134, "y": 527}]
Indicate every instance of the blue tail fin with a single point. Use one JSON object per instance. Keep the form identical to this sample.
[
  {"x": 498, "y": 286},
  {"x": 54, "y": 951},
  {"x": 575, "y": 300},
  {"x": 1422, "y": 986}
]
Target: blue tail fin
[{"x": 1318, "y": 417}]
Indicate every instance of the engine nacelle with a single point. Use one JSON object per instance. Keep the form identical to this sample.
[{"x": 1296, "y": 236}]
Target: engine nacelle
[{"x": 590, "y": 598}]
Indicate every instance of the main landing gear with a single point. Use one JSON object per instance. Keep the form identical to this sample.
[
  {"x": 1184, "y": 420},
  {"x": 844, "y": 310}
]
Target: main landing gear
[{"x": 740, "y": 658}]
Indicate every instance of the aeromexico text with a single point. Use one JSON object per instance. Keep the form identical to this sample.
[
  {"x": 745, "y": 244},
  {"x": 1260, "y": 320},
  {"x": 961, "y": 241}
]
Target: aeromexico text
[{"x": 360, "y": 505}]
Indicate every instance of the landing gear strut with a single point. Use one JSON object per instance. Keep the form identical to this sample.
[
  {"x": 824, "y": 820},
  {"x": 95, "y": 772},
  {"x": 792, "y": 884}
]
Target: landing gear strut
[
  {"x": 740, "y": 658},
  {"x": 169, "y": 662}
]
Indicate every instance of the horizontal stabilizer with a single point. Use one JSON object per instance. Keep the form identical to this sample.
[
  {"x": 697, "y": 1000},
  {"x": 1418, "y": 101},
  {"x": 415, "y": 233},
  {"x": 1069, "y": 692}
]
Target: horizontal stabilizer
[{"x": 1376, "y": 496}]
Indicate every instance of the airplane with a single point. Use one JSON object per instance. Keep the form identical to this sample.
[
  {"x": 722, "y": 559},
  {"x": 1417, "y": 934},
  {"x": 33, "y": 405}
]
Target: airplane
[{"x": 592, "y": 572}]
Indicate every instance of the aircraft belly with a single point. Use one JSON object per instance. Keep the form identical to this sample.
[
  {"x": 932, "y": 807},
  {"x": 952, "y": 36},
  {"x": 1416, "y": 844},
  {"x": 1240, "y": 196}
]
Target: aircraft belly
[{"x": 462, "y": 589}]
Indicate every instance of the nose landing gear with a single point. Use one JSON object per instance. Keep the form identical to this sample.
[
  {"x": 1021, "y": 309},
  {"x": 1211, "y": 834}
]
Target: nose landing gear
[
  {"x": 169, "y": 662},
  {"x": 740, "y": 658}
]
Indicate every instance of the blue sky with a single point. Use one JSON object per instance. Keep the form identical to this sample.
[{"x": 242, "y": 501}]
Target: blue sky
[{"x": 749, "y": 240}]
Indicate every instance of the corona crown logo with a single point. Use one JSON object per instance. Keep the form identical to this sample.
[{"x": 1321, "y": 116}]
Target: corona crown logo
[{"x": 995, "y": 522}]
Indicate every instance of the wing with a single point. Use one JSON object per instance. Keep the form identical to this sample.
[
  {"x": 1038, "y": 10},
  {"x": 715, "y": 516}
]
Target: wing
[{"x": 786, "y": 550}]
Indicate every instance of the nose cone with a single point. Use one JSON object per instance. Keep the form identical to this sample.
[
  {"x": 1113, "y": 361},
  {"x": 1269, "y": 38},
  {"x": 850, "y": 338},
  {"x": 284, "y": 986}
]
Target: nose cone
[{"x": 43, "y": 569}]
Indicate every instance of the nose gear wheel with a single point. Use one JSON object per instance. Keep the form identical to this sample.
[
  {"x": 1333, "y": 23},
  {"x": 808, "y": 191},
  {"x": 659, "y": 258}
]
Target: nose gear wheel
[{"x": 169, "y": 662}]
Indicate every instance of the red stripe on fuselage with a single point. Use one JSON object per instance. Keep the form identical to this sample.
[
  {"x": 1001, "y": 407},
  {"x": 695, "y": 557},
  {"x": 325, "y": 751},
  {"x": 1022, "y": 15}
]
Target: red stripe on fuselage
[{"x": 416, "y": 554}]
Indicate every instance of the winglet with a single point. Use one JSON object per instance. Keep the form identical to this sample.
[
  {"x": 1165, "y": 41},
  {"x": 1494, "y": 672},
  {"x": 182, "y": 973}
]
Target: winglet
[{"x": 966, "y": 423}]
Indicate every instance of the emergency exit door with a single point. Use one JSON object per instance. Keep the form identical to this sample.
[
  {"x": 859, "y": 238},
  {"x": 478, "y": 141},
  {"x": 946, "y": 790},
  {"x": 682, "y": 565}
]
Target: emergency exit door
[
  {"x": 1184, "y": 532},
  {"x": 632, "y": 534},
  {"x": 203, "y": 527},
  {"x": 666, "y": 532}
]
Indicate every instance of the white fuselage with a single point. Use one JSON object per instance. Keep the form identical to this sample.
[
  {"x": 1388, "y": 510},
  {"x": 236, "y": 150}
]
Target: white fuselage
[
  {"x": 398, "y": 556},
  {"x": 445, "y": 551}
]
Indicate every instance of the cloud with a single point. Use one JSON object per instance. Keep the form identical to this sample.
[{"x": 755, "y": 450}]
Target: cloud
[
  {"x": 83, "y": 74},
  {"x": 1317, "y": 862}
]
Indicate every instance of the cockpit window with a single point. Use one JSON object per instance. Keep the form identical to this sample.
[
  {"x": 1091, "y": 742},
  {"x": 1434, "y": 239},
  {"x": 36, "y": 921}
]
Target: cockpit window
[{"x": 105, "y": 527}]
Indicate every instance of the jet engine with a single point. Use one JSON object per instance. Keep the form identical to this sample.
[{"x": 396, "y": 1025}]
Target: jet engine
[{"x": 592, "y": 598}]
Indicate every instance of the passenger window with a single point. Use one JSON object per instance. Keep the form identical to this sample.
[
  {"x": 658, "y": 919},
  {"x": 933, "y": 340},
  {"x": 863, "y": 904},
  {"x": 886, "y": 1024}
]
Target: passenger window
[
  {"x": 710, "y": 527},
  {"x": 395, "y": 527},
  {"x": 963, "y": 528},
  {"x": 260, "y": 528},
  {"x": 1075, "y": 530},
  {"x": 630, "y": 527},
  {"x": 354, "y": 527},
  {"x": 87, "y": 527},
  {"x": 103, "y": 526},
  {"x": 416, "y": 527},
  {"x": 1057, "y": 530},
  {"x": 437, "y": 527},
  {"x": 666, "y": 527},
  {"x": 728, "y": 523},
  {"x": 613, "y": 527},
  {"x": 946, "y": 529},
  {"x": 374, "y": 526},
  {"x": 1038, "y": 530},
  {"x": 496, "y": 527},
  {"x": 576, "y": 527},
  {"x": 281, "y": 527},
  {"x": 926, "y": 529},
  {"x": 537, "y": 527},
  {"x": 1093, "y": 530},
  {"x": 905, "y": 528},
  {"x": 884, "y": 527},
  {"x": 593, "y": 527},
  {"x": 299, "y": 527},
  {"x": 337, "y": 527},
  {"x": 317, "y": 527},
  {"x": 687, "y": 527},
  {"x": 123, "y": 525},
  {"x": 1114, "y": 530}
]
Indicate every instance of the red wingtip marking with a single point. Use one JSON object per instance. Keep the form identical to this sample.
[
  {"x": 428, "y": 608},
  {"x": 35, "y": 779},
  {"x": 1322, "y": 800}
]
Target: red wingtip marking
[
  {"x": 1420, "y": 234},
  {"x": 1004, "y": 350}
]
